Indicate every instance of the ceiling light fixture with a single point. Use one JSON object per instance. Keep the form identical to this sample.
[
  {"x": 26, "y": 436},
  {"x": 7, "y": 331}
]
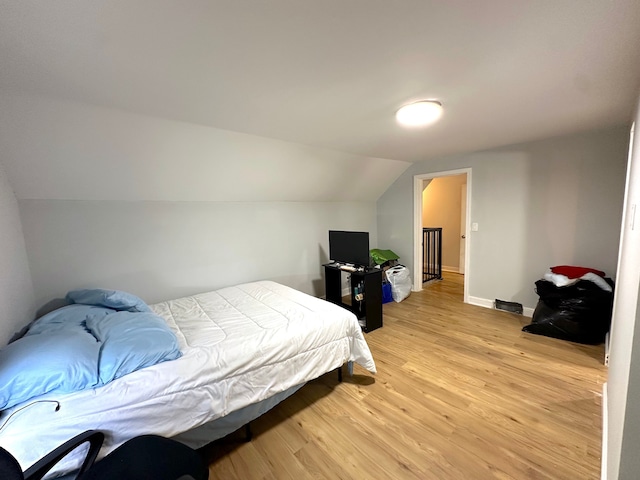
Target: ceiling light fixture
[{"x": 419, "y": 114}]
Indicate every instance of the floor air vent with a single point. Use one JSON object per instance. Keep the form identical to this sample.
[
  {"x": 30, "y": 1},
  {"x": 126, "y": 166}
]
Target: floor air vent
[{"x": 512, "y": 307}]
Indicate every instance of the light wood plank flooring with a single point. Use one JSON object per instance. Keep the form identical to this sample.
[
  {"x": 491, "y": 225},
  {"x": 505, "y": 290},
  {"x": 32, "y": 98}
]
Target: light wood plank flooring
[{"x": 461, "y": 393}]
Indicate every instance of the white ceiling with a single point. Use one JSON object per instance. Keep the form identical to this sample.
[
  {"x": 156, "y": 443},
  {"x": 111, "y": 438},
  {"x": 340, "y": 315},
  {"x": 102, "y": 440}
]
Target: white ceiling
[{"x": 331, "y": 73}]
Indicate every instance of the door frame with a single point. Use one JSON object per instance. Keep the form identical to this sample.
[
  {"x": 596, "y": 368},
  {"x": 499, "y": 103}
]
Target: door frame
[
  {"x": 418, "y": 181},
  {"x": 463, "y": 228}
]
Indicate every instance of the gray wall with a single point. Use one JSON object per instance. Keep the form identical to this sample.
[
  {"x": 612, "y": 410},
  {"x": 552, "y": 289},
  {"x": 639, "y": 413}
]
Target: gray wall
[
  {"x": 165, "y": 208},
  {"x": 163, "y": 250},
  {"x": 57, "y": 150},
  {"x": 16, "y": 292},
  {"x": 539, "y": 204}
]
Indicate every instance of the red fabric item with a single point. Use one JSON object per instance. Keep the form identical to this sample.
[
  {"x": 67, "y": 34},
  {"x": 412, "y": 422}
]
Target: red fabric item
[{"x": 575, "y": 272}]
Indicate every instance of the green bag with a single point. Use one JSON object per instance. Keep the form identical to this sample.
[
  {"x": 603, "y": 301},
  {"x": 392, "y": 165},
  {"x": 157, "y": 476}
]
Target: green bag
[{"x": 382, "y": 256}]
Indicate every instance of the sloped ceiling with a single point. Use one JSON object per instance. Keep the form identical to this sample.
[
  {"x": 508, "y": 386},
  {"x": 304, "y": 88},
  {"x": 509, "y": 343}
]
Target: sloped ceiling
[{"x": 331, "y": 74}]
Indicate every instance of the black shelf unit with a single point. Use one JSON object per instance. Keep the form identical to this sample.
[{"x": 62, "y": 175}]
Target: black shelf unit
[{"x": 369, "y": 310}]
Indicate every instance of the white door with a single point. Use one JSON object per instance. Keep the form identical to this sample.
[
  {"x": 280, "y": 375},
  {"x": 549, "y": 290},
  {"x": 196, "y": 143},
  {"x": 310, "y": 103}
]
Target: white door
[{"x": 463, "y": 226}]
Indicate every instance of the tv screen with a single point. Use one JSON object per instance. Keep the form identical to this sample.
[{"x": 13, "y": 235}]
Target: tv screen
[{"x": 349, "y": 247}]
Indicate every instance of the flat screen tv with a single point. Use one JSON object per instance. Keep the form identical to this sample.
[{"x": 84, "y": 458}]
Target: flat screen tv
[{"x": 349, "y": 247}]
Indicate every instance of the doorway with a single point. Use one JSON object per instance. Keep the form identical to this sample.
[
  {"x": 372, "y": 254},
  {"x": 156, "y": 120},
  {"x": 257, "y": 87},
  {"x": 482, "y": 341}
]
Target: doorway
[{"x": 458, "y": 254}]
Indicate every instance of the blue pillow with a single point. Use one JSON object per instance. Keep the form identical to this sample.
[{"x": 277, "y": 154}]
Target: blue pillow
[
  {"x": 131, "y": 341},
  {"x": 69, "y": 317},
  {"x": 65, "y": 361},
  {"x": 108, "y": 298}
]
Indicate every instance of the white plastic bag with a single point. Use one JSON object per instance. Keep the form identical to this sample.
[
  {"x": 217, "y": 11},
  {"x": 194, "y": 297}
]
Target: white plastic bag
[{"x": 400, "y": 280}]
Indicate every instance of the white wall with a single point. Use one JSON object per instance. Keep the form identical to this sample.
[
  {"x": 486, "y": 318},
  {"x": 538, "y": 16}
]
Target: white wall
[
  {"x": 539, "y": 204},
  {"x": 163, "y": 250},
  {"x": 16, "y": 291},
  {"x": 623, "y": 386}
]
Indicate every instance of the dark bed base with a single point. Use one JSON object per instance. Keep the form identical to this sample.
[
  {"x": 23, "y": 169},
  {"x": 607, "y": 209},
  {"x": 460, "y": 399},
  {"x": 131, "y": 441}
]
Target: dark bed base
[{"x": 248, "y": 434}]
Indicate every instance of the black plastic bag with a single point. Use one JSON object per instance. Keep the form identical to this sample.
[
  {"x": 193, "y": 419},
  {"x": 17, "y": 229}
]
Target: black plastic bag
[
  {"x": 579, "y": 313},
  {"x": 583, "y": 295}
]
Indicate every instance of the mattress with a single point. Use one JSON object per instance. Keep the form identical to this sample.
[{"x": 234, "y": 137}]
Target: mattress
[{"x": 240, "y": 345}]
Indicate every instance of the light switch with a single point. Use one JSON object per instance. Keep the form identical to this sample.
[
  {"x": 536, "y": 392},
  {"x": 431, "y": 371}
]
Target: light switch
[{"x": 474, "y": 227}]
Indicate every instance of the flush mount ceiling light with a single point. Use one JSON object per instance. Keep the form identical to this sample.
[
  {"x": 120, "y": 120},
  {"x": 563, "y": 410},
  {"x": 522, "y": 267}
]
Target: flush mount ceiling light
[{"x": 419, "y": 114}]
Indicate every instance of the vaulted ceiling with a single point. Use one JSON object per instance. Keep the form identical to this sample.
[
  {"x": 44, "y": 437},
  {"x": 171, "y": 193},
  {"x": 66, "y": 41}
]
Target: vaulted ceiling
[{"x": 332, "y": 73}]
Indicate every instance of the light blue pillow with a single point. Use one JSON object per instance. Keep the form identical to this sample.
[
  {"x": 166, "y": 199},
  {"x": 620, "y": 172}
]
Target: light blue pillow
[
  {"x": 108, "y": 298},
  {"x": 131, "y": 341},
  {"x": 71, "y": 316},
  {"x": 65, "y": 361}
]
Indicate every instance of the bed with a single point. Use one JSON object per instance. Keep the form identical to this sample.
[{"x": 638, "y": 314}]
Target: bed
[{"x": 243, "y": 349}]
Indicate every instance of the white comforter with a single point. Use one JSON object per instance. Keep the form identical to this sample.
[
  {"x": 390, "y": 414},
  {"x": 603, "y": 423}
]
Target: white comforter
[{"x": 240, "y": 345}]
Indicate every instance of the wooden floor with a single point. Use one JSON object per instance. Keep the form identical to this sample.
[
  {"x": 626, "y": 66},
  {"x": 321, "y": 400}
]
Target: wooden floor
[{"x": 461, "y": 393}]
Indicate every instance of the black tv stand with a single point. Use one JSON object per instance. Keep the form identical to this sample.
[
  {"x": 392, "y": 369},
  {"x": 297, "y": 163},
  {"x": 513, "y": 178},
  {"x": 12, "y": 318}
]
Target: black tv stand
[{"x": 369, "y": 309}]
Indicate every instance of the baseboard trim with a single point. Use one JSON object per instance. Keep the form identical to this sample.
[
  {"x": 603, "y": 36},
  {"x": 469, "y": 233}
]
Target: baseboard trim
[
  {"x": 486, "y": 303},
  {"x": 605, "y": 433},
  {"x": 450, "y": 269},
  {"x": 480, "y": 302}
]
